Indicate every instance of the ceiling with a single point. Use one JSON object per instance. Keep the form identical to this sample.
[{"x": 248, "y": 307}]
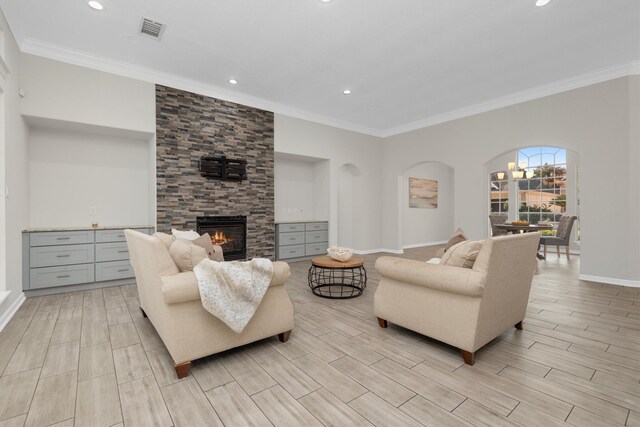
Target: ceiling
[{"x": 407, "y": 62}]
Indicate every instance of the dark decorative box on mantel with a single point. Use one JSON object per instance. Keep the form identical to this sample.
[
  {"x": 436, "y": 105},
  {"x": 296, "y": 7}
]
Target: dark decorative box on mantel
[{"x": 223, "y": 168}]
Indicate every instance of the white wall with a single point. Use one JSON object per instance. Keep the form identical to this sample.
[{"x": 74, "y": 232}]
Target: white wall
[
  {"x": 428, "y": 226},
  {"x": 593, "y": 121},
  {"x": 14, "y": 166},
  {"x": 65, "y": 92},
  {"x": 300, "y": 137},
  {"x": 71, "y": 171}
]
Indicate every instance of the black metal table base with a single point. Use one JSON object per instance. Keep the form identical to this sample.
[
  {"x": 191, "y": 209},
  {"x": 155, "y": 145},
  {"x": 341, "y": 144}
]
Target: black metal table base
[{"x": 337, "y": 283}]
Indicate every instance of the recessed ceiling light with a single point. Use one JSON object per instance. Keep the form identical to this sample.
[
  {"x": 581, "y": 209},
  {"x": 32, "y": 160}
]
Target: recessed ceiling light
[
  {"x": 541, "y": 3},
  {"x": 325, "y": 1},
  {"x": 233, "y": 81},
  {"x": 346, "y": 92},
  {"x": 93, "y": 4}
]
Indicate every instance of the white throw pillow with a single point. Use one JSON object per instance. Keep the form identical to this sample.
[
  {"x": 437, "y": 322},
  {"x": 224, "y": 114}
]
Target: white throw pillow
[
  {"x": 186, "y": 255},
  {"x": 463, "y": 254},
  {"x": 188, "y": 235}
]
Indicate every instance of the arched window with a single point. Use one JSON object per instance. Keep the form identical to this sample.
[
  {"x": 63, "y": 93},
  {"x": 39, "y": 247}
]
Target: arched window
[{"x": 542, "y": 192}]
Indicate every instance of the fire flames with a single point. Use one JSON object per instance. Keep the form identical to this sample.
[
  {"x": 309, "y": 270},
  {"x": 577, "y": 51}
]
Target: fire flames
[{"x": 219, "y": 238}]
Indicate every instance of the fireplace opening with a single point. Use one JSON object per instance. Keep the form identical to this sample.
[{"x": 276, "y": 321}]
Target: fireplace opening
[{"x": 229, "y": 232}]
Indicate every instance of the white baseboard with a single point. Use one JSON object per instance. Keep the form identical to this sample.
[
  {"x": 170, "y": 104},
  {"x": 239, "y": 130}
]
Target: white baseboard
[
  {"x": 3, "y": 296},
  {"x": 8, "y": 314},
  {"x": 610, "y": 280},
  {"x": 421, "y": 245},
  {"x": 376, "y": 251}
]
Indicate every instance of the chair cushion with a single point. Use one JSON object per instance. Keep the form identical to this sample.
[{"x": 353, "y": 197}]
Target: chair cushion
[
  {"x": 457, "y": 237},
  {"x": 186, "y": 255},
  {"x": 463, "y": 254},
  {"x": 552, "y": 240},
  {"x": 166, "y": 239}
]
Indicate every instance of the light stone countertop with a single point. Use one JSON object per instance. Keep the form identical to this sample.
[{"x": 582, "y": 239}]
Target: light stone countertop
[
  {"x": 301, "y": 221},
  {"x": 105, "y": 227}
]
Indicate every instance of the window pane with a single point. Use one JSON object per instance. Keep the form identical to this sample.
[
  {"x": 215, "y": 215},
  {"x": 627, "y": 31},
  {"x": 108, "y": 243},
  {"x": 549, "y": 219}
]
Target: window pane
[{"x": 548, "y": 159}]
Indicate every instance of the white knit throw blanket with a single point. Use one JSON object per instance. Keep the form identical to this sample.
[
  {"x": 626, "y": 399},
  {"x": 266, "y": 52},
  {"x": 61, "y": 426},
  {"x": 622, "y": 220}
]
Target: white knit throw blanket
[{"x": 232, "y": 291}]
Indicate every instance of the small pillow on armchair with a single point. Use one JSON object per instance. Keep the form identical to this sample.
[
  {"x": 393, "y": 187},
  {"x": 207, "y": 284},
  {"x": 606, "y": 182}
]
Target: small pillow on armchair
[
  {"x": 166, "y": 239},
  {"x": 457, "y": 237},
  {"x": 213, "y": 251},
  {"x": 463, "y": 254},
  {"x": 186, "y": 255}
]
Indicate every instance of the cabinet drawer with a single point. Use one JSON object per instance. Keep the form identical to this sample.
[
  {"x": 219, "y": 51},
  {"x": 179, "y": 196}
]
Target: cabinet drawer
[
  {"x": 46, "y": 256},
  {"x": 316, "y": 226},
  {"x": 316, "y": 236},
  {"x": 60, "y": 238},
  {"x": 110, "y": 236},
  {"x": 50, "y": 277},
  {"x": 293, "y": 251},
  {"x": 111, "y": 251},
  {"x": 290, "y": 239},
  {"x": 287, "y": 228},
  {"x": 113, "y": 270},
  {"x": 316, "y": 249}
]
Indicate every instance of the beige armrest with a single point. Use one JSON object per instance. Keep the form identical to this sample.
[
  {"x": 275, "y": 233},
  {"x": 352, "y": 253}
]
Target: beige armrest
[
  {"x": 463, "y": 281},
  {"x": 183, "y": 287}
]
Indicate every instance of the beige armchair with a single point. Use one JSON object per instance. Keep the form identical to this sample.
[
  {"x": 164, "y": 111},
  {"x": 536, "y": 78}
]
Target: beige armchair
[
  {"x": 171, "y": 301},
  {"x": 463, "y": 307}
]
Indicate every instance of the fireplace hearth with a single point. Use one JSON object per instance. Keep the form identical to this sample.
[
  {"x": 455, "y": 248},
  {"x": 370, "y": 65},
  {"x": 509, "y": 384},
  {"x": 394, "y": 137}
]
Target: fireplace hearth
[{"x": 229, "y": 232}]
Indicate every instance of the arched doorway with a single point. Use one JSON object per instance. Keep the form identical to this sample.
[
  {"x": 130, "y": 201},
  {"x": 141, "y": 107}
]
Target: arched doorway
[
  {"x": 538, "y": 183},
  {"x": 431, "y": 224}
]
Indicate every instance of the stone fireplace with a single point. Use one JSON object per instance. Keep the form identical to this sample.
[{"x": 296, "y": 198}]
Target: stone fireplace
[
  {"x": 191, "y": 126},
  {"x": 228, "y": 232}
]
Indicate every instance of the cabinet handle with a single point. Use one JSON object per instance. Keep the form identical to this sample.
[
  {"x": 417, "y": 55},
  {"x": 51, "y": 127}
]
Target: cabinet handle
[
  {"x": 120, "y": 235},
  {"x": 124, "y": 269},
  {"x": 63, "y": 276},
  {"x": 292, "y": 252},
  {"x": 63, "y": 256},
  {"x": 63, "y": 238},
  {"x": 121, "y": 252}
]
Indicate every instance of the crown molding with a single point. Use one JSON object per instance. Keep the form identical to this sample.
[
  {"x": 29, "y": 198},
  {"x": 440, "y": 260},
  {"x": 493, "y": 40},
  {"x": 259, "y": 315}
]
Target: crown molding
[
  {"x": 598, "y": 76},
  {"x": 88, "y": 60}
]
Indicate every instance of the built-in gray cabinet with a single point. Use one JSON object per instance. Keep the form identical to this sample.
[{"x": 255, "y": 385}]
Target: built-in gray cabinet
[
  {"x": 58, "y": 258},
  {"x": 301, "y": 239}
]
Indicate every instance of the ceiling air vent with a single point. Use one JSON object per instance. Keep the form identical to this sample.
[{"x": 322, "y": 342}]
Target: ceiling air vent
[{"x": 151, "y": 28}]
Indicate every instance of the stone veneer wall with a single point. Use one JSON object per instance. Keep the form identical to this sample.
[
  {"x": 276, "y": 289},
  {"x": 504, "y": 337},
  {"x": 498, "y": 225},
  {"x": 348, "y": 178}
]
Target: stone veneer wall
[{"x": 189, "y": 126}]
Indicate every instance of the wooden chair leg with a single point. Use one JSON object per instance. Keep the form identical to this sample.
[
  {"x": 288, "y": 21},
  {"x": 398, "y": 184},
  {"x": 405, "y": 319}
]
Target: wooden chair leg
[
  {"x": 467, "y": 356},
  {"x": 545, "y": 250},
  {"x": 382, "y": 323},
  {"x": 182, "y": 369},
  {"x": 143, "y": 313},
  {"x": 567, "y": 251},
  {"x": 518, "y": 325},
  {"x": 558, "y": 250},
  {"x": 284, "y": 337}
]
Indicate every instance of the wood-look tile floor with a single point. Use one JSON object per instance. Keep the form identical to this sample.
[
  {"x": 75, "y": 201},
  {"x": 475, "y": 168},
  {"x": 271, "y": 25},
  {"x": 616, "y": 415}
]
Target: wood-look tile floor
[{"x": 90, "y": 359}]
